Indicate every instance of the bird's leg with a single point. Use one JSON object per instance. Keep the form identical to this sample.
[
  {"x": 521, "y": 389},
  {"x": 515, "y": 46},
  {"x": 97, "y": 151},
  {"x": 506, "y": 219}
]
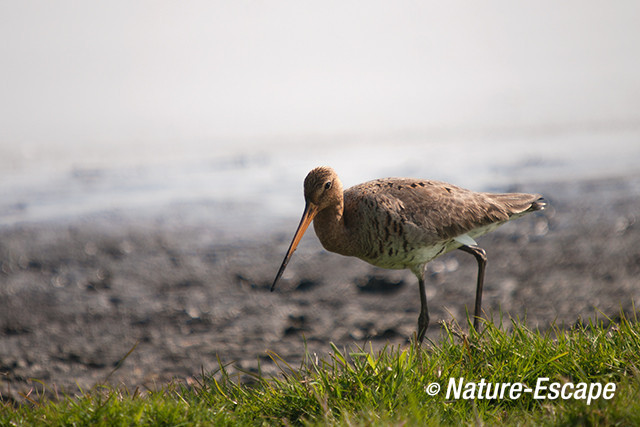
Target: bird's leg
[
  {"x": 481, "y": 257},
  {"x": 423, "y": 319}
]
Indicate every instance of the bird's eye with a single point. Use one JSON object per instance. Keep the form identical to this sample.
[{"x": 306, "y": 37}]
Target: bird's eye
[{"x": 327, "y": 185}]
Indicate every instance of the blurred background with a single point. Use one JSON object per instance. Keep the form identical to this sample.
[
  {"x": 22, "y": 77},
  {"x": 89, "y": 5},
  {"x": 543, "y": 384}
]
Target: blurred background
[{"x": 136, "y": 105}]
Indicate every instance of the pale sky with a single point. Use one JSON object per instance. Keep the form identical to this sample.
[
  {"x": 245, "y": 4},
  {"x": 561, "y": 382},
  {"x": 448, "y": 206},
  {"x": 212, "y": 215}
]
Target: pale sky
[{"x": 163, "y": 70}]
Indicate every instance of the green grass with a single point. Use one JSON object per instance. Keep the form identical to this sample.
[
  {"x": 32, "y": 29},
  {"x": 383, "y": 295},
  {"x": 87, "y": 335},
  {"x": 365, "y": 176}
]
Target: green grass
[{"x": 363, "y": 387}]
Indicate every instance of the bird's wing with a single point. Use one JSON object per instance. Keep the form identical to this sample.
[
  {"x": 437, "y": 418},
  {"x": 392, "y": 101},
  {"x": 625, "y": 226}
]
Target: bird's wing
[{"x": 430, "y": 210}]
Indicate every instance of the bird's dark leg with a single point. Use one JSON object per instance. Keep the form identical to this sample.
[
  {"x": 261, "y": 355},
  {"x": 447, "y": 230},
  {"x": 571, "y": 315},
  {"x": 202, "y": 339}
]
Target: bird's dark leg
[
  {"x": 423, "y": 319},
  {"x": 481, "y": 257}
]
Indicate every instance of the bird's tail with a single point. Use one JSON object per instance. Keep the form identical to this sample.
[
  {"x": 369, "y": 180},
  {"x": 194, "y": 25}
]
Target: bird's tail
[
  {"x": 518, "y": 204},
  {"x": 537, "y": 205}
]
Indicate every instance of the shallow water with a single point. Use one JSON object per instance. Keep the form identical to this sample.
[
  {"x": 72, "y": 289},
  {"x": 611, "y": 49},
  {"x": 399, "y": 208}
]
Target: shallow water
[{"x": 248, "y": 184}]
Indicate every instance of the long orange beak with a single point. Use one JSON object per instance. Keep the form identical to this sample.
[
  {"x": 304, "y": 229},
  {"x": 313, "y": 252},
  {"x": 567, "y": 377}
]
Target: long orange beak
[{"x": 310, "y": 211}]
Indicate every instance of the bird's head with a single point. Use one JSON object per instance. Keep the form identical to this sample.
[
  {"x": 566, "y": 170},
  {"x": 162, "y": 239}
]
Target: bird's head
[{"x": 322, "y": 189}]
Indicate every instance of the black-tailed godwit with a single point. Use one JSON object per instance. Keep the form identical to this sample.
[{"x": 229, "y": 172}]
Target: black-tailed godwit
[{"x": 403, "y": 223}]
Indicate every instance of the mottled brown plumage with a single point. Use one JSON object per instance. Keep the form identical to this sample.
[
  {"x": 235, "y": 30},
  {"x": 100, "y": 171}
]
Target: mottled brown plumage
[{"x": 403, "y": 223}]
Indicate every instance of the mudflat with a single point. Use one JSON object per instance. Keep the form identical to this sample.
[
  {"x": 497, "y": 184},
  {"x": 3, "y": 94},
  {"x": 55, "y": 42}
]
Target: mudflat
[{"x": 176, "y": 294}]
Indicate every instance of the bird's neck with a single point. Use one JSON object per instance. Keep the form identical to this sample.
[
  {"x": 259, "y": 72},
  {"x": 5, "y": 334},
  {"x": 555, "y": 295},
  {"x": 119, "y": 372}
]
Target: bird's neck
[{"x": 331, "y": 230}]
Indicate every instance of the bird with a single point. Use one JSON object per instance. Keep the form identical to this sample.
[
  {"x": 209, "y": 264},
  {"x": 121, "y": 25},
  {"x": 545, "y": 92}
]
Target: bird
[{"x": 403, "y": 223}]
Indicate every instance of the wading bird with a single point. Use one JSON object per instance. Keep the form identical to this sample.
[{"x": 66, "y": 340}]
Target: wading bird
[{"x": 403, "y": 223}]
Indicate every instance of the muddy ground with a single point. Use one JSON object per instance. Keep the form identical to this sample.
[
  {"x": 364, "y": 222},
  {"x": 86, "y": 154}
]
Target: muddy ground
[{"x": 77, "y": 296}]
